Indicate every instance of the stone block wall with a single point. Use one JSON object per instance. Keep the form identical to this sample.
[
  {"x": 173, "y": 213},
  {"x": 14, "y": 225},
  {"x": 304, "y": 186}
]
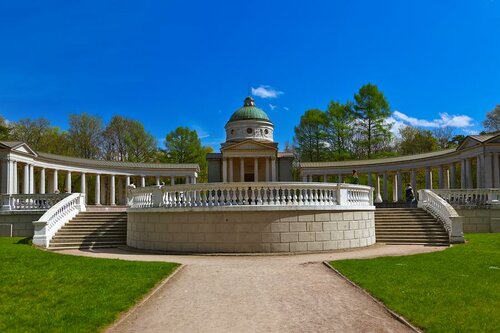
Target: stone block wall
[
  {"x": 22, "y": 223},
  {"x": 249, "y": 231},
  {"x": 480, "y": 220}
]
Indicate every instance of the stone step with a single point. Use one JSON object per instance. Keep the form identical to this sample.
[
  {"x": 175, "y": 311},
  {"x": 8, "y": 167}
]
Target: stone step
[
  {"x": 86, "y": 245},
  {"x": 88, "y": 239}
]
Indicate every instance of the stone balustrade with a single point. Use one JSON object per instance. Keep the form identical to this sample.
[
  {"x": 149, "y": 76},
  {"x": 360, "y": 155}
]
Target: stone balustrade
[
  {"x": 444, "y": 212},
  {"x": 470, "y": 197},
  {"x": 262, "y": 194},
  {"x": 29, "y": 202}
]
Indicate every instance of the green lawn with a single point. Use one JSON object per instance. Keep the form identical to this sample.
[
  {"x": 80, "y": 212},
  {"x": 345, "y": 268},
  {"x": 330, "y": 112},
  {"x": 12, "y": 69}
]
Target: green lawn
[
  {"x": 49, "y": 292},
  {"x": 456, "y": 290}
]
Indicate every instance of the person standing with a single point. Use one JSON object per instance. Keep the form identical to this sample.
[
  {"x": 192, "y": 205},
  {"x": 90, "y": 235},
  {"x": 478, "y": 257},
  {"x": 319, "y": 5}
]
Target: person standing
[
  {"x": 410, "y": 196},
  {"x": 355, "y": 177}
]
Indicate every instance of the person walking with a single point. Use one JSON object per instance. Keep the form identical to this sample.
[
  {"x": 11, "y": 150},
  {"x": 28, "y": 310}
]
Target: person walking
[
  {"x": 410, "y": 196},
  {"x": 355, "y": 177}
]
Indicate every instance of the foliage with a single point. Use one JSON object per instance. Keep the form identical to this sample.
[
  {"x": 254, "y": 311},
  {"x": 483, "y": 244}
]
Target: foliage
[
  {"x": 371, "y": 109},
  {"x": 443, "y": 136},
  {"x": 85, "y": 135},
  {"x": 48, "y": 292},
  {"x": 416, "y": 141},
  {"x": 4, "y": 129},
  {"x": 310, "y": 136},
  {"x": 492, "y": 121},
  {"x": 456, "y": 290},
  {"x": 30, "y": 131},
  {"x": 339, "y": 129},
  {"x": 456, "y": 140}
]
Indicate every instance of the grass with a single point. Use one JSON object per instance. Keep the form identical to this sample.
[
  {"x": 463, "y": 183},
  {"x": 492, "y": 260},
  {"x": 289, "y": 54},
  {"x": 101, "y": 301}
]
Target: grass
[
  {"x": 456, "y": 290},
  {"x": 49, "y": 292}
]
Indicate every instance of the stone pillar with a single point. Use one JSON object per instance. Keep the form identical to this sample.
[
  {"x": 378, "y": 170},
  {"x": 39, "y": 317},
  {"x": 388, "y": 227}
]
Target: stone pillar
[
  {"x": 127, "y": 181},
  {"x": 224, "y": 170},
  {"x": 7, "y": 175},
  {"x": 304, "y": 178},
  {"x": 242, "y": 169},
  {"x": 273, "y": 169},
  {"x": 446, "y": 178},
  {"x": 468, "y": 174},
  {"x": 15, "y": 183},
  {"x": 112, "y": 195},
  {"x": 104, "y": 193},
  {"x": 386, "y": 196},
  {"x": 32, "y": 179},
  {"x": 231, "y": 171},
  {"x": 496, "y": 170},
  {"x": 97, "y": 190},
  {"x": 480, "y": 171},
  {"x": 55, "y": 184},
  {"x": 440, "y": 177},
  {"x": 42, "y": 181},
  {"x": 378, "y": 197},
  {"x": 143, "y": 181},
  {"x": 325, "y": 178},
  {"x": 83, "y": 185},
  {"x": 413, "y": 180},
  {"x": 463, "y": 172},
  {"x": 68, "y": 182},
  {"x": 369, "y": 182},
  {"x": 26, "y": 179},
  {"x": 256, "y": 169},
  {"x": 488, "y": 172},
  {"x": 395, "y": 186},
  {"x": 453, "y": 175},
  {"x": 428, "y": 178},
  {"x": 341, "y": 178},
  {"x": 268, "y": 171},
  {"x": 193, "y": 179},
  {"x": 400, "y": 186},
  {"x": 157, "y": 180},
  {"x": 172, "y": 180}
]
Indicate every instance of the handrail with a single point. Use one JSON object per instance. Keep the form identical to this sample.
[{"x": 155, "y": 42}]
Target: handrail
[
  {"x": 250, "y": 194},
  {"x": 444, "y": 212},
  {"x": 475, "y": 197},
  {"x": 56, "y": 217},
  {"x": 29, "y": 202}
]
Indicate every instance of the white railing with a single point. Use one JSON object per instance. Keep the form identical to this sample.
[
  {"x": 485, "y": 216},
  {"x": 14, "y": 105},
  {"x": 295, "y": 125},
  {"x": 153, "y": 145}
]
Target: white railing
[
  {"x": 29, "y": 202},
  {"x": 251, "y": 194},
  {"x": 475, "y": 197},
  {"x": 57, "y": 216},
  {"x": 444, "y": 212}
]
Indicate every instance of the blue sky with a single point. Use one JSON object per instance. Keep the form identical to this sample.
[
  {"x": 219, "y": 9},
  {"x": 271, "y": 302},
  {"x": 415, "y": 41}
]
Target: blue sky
[{"x": 191, "y": 63}]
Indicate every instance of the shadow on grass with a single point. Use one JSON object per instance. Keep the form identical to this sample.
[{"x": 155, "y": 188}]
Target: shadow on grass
[{"x": 25, "y": 241}]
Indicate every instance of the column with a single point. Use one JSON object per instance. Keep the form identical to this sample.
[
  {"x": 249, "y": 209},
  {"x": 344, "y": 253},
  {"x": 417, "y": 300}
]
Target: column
[
  {"x": 83, "y": 185},
  {"x": 341, "y": 178},
  {"x": 157, "y": 180},
  {"x": 386, "y": 196},
  {"x": 172, "y": 180},
  {"x": 378, "y": 197},
  {"x": 488, "y": 172},
  {"x": 400, "y": 185},
  {"x": 15, "y": 183},
  {"x": 268, "y": 167},
  {"x": 55, "y": 182},
  {"x": 325, "y": 178},
  {"x": 42, "y": 181},
  {"x": 428, "y": 178},
  {"x": 480, "y": 171},
  {"x": 369, "y": 179},
  {"x": 7, "y": 173},
  {"x": 440, "y": 177},
  {"x": 193, "y": 179},
  {"x": 231, "y": 173},
  {"x": 453, "y": 175},
  {"x": 127, "y": 181},
  {"x": 104, "y": 194},
  {"x": 242, "y": 169},
  {"x": 98, "y": 190},
  {"x": 68, "y": 182},
  {"x": 224, "y": 170},
  {"x": 273, "y": 169},
  {"x": 112, "y": 195},
  {"x": 413, "y": 180},
  {"x": 395, "y": 185},
  {"x": 256, "y": 169},
  {"x": 32, "y": 179},
  {"x": 496, "y": 171},
  {"x": 468, "y": 173},
  {"x": 26, "y": 179},
  {"x": 446, "y": 178},
  {"x": 304, "y": 178},
  {"x": 143, "y": 181},
  {"x": 463, "y": 172}
]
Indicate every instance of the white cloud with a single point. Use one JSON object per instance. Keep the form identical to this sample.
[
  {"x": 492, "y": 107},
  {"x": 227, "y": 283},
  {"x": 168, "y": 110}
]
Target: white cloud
[
  {"x": 202, "y": 134},
  {"x": 445, "y": 120},
  {"x": 266, "y": 92},
  {"x": 396, "y": 125},
  {"x": 272, "y": 107},
  {"x": 285, "y": 108}
]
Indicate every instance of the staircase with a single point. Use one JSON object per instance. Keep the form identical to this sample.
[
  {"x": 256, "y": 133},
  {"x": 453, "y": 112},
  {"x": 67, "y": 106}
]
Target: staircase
[
  {"x": 92, "y": 229},
  {"x": 408, "y": 226}
]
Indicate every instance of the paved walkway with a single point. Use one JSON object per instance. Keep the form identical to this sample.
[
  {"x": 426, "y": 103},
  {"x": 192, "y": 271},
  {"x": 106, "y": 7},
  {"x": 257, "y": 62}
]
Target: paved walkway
[{"x": 278, "y": 293}]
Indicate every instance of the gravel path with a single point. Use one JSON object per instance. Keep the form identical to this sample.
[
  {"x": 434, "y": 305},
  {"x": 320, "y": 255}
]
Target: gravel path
[{"x": 288, "y": 293}]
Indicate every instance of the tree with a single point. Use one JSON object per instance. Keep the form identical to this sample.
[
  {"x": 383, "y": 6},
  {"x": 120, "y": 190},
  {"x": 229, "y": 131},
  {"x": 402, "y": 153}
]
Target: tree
[
  {"x": 55, "y": 141},
  {"x": 30, "y": 131},
  {"x": 85, "y": 135},
  {"x": 339, "y": 129},
  {"x": 443, "y": 136},
  {"x": 4, "y": 129},
  {"x": 416, "y": 141},
  {"x": 141, "y": 145},
  {"x": 456, "y": 140},
  {"x": 114, "y": 145},
  {"x": 371, "y": 110},
  {"x": 492, "y": 121},
  {"x": 310, "y": 136},
  {"x": 184, "y": 146}
]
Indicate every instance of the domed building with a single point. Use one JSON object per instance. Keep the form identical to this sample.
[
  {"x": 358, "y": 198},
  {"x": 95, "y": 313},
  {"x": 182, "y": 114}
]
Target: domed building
[{"x": 249, "y": 153}]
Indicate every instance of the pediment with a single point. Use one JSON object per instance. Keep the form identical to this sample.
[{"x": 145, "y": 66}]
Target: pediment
[
  {"x": 19, "y": 147},
  {"x": 250, "y": 145},
  {"x": 468, "y": 142}
]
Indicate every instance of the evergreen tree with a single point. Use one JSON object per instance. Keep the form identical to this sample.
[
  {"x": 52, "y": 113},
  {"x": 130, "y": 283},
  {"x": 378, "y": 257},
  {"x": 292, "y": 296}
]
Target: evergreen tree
[{"x": 310, "y": 136}]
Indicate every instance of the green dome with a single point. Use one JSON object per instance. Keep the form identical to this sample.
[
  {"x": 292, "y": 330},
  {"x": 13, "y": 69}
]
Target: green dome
[{"x": 249, "y": 111}]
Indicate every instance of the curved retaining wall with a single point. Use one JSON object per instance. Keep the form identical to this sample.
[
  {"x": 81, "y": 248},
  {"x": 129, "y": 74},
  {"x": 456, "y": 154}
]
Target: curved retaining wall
[{"x": 226, "y": 230}]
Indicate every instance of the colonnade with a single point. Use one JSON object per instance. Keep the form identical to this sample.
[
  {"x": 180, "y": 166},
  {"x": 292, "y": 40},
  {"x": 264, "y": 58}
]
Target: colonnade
[{"x": 234, "y": 169}]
